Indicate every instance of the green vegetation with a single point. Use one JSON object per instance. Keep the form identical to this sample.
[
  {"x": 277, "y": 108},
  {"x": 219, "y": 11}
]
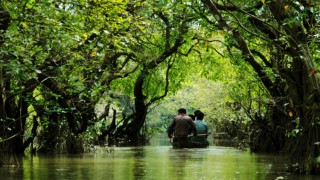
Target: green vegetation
[{"x": 81, "y": 72}]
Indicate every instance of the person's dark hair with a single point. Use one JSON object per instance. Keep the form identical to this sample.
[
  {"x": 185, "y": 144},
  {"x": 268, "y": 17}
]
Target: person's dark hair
[
  {"x": 182, "y": 110},
  {"x": 196, "y": 113},
  {"x": 192, "y": 116},
  {"x": 200, "y": 116}
]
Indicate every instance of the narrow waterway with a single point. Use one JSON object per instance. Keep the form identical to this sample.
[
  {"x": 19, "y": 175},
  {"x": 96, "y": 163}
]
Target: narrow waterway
[{"x": 157, "y": 161}]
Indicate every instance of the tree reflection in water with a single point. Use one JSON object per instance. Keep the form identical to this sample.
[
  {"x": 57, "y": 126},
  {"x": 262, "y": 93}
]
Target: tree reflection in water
[{"x": 153, "y": 162}]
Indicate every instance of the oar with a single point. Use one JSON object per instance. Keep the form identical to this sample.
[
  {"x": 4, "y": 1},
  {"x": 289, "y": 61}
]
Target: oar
[{"x": 198, "y": 135}]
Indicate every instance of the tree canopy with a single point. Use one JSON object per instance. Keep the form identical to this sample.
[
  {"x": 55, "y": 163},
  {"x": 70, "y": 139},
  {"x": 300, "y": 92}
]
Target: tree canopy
[{"x": 101, "y": 70}]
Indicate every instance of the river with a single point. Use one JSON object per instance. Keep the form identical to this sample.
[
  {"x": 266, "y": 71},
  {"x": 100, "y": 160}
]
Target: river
[{"x": 157, "y": 161}]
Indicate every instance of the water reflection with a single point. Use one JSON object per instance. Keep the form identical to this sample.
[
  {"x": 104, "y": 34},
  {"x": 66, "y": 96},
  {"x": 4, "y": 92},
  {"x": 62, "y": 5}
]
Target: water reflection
[
  {"x": 153, "y": 162},
  {"x": 139, "y": 166}
]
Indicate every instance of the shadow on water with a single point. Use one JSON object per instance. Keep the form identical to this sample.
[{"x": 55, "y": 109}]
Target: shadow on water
[{"x": 157, "y": 161}]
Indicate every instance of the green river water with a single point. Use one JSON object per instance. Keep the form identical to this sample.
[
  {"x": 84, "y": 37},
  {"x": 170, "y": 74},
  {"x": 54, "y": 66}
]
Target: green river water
[{"x": 157, "y": 161}]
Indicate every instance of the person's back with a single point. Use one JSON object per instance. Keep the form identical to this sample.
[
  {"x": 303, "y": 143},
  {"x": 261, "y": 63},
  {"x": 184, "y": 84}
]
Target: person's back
[
  {"x": 202, "y": 130},
  {"x": 201, "y": 127},
  {"x": 182, "y": 124},
  {"x": 179, "y": 130}
]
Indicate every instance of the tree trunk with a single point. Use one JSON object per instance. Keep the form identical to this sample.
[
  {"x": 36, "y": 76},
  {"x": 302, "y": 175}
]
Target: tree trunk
[
  {"x": 132, "y": 131},
  {"x": 49, "y": 137},
  {"x": 304, "y": 92},
  {"x": 288, "y": 39}
]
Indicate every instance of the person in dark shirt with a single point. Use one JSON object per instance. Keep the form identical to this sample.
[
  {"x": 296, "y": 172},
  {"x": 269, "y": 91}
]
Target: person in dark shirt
[{"x": 178, "y": 130}]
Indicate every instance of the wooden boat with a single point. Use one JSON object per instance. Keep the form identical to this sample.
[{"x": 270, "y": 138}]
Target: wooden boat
[{"x": 199, "y": 141}]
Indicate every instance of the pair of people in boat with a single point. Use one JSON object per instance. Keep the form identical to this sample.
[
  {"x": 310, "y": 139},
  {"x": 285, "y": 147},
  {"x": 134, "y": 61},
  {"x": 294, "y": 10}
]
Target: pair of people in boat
[{"x": 180, "y": 127}]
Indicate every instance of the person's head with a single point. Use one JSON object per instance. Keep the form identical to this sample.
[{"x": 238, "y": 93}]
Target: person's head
[
  {"x": 196, "y": 112},
  {"x": 200, "y": 116},
  {"x": 192, "y": 116},
  {"x": 182, "y": 111}
]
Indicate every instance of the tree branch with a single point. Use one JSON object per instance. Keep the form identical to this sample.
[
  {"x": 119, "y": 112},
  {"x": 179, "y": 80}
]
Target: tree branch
[
  {"x": 166, "y": 89},
  {"x": 246, "y": 53}
]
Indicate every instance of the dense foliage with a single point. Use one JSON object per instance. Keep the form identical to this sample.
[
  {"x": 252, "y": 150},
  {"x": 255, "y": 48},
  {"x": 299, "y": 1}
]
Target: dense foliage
[
  {"x": 278, "y": 40},
  {"x": 79, "y": 72}
]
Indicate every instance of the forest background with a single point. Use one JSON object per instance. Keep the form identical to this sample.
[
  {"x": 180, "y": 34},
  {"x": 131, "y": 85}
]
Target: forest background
[{"x": 93, "y": 72}]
